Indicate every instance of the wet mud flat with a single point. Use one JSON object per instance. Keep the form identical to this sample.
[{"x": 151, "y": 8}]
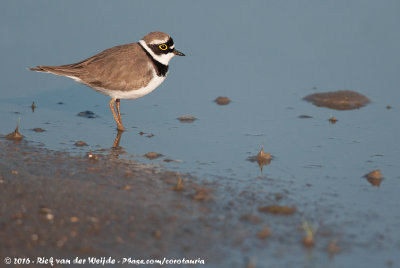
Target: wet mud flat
[
  {"x": 54, "y": 204},
  {"x": 57, "y": 205}
]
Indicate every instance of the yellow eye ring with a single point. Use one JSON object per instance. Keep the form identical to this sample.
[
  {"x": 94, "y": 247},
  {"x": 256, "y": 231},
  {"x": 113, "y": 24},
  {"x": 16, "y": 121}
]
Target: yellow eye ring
[{"x": 163, "y": 47}]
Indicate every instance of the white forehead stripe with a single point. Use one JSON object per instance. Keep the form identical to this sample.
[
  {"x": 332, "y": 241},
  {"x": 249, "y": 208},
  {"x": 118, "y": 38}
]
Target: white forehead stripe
[
  {"x": 157, "y": 41},
  {"x": 163, "y": 58}
]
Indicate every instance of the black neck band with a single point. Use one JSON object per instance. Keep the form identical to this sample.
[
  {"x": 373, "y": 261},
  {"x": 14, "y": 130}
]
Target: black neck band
[{"x": 161, "y": 69}]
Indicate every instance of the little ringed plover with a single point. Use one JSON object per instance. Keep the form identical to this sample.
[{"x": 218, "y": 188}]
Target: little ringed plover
[{"x": 123, "y": 72}]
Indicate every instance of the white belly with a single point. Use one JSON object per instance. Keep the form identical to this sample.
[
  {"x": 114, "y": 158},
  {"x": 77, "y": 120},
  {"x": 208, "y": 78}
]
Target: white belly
[{"x": 134, "y": 94}]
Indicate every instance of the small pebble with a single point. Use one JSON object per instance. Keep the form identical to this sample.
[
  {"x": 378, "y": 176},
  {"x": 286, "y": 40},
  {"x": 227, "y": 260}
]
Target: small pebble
[
  {"x": 80, "y": 143},
  {"x": 304, "y": 116},
  {"x": 87, "y": 114},
  {"x": 275, "y": 209},
  {"x": 44, "y": 210},
  {"x": 16, "y": 136},
  {"x": 333, "y": 120},
  {"x": 152, "y": 155},
  {"x": 171, "y": 160},
  {"x": 49, "y": 217},
  {"x": 222, "y": 100},
  {"x": 74, "y": 219},
  {"x": 375, "y": 175},
  {"x": 92, "y": 156},
  {"x": 187, "y": 118},
  {"x": 38, "y": 129}
]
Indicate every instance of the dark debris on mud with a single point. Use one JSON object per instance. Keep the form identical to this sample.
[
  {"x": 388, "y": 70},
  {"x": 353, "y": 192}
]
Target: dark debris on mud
[
  {"x": 38, "y": 129},
  {"x": 222, "y": 100},
  {"x": 187, "y": 118},
  {"x": 374, "y": 177},
  {"x": 80, "y": 144},
  {"x": 338, "y": 100},
  {"x": 15, "y": 135},
  {"x": 87, "y": 114},
  {"x": 152, "y": 155}
]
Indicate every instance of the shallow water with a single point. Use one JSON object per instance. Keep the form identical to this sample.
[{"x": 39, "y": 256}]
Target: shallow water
[{"x": 265, "y": 62}]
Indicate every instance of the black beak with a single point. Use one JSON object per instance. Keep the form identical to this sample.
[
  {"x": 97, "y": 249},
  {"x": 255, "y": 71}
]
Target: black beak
[{"x": 178, "y": 53}]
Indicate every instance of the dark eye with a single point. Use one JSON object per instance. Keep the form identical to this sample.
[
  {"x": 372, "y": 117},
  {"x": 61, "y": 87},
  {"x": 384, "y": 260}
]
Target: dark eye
[{"x": 163, "y": 47}]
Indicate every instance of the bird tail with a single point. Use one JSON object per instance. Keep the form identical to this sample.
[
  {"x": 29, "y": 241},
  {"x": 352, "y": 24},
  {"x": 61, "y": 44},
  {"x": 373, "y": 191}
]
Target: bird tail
[
  {"x": 44, "y": 69},
  {"x": 64, "y": 70}
]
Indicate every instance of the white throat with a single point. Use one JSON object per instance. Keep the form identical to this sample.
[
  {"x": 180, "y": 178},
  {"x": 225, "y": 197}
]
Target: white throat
[{"x": 163, "y": 58}]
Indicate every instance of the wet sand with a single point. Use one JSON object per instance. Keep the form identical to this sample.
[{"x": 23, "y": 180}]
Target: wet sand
[{"x": 55, "y": 204}]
